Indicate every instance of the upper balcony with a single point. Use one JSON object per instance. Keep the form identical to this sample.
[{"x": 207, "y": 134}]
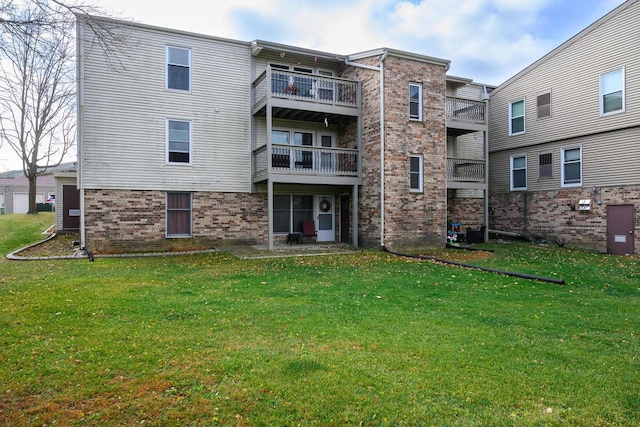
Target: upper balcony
[
  {"x": 306, "y": 92},
  {"x": 466, "y": 114}
]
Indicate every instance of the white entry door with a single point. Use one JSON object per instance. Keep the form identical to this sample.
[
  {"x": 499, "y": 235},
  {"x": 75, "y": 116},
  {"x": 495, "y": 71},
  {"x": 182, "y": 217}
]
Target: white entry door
[{"x": 326, "y": 231}]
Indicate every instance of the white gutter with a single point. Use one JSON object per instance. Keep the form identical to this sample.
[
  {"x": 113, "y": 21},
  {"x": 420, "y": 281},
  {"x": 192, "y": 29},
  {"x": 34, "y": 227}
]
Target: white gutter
[
  {"x": 80, "y": 127},
  {"x": 380, "y": 69}
]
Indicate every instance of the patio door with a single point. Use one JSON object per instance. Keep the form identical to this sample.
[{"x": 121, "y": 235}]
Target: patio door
[
  {"x": 327, "y": 158},
  {"x": 325, "y": 207}
]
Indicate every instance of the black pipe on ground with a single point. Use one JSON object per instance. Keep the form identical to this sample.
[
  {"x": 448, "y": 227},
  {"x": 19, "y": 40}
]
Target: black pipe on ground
[{"x": 474, "y": 267}]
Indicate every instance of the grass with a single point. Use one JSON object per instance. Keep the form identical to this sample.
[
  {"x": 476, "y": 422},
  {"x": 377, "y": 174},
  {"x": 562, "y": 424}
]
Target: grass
[{"x": 358, "y": 339}]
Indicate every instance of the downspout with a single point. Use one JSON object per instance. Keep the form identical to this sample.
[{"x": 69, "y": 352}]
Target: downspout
[
  {"x": 80, "y": 127},
  {"x": 380, "y": 69}
]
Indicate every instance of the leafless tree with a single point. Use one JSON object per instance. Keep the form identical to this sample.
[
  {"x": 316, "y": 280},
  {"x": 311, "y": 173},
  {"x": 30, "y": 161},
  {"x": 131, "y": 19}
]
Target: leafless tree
[
  {"x": 37, "y": 93},
  {"x": 37, "y": 80}
]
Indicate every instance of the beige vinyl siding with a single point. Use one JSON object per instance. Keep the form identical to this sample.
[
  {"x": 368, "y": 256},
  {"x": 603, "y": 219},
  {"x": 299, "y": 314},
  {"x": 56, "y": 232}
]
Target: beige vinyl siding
[
  {"x": 469, "y": 92},
  {"x": 124, "y": 112},
  {"x": 608, "y": 159},
  {"x": 572, "y": 74}
]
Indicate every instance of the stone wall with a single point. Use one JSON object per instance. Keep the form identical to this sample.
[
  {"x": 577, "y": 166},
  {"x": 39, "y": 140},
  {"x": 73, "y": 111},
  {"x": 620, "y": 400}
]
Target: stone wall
[
  {"x": 131, "y": 221},
  {"x": 555, "y": 214}
]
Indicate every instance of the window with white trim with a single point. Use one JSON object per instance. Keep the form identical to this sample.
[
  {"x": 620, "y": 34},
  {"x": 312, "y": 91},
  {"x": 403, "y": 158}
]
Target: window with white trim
[
  {"x": 518, "y": 166},
  {"x": 178, "y": 214},
  {"x": 178, "y": 68},
  {"x": 571, "y": 166},
  {"x": 415, "y": 101},
  {"x": 612, "y": 92},
  {"x": 415, "y": 173},
  {"x": 516, "y": 117},
  {"x": 178, "y": 141}
]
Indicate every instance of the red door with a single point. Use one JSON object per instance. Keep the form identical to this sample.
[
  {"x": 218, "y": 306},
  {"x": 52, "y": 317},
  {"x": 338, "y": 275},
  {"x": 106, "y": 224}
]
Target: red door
[
  {"x": 620, "y": 235},
  {"x": 71, "y": 207}
]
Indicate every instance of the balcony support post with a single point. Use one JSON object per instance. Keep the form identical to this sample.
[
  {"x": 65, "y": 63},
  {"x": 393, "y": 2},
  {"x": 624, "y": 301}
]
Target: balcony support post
[{"x": 354, "y": 216}]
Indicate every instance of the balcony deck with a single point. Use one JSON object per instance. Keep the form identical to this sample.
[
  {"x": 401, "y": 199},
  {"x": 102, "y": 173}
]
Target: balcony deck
[
  {"x": 466, "y": 114},
  {"x": 319, "y": 165},
  {"x": 466, "y": 171},
  {"x": 296, "y": 90}
]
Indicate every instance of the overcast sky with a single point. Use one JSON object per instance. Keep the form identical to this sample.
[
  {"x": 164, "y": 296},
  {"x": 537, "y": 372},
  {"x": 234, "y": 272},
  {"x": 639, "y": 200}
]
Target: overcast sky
[{"x": 485, "y": 40}]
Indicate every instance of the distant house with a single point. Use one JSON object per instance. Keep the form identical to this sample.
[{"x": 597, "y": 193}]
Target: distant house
[
  {"x": 68, "y": 200},
  {"x": 199, "y": 141},
  {"x": 14, "y": 192},
  {"x": 565, "y": 140}
]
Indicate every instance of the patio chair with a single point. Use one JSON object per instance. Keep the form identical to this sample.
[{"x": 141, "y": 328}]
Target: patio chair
[{"x": 308, "y": 228}]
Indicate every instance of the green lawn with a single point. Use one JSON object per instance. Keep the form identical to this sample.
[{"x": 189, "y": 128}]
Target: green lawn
[{"x": 345, "y": 340}]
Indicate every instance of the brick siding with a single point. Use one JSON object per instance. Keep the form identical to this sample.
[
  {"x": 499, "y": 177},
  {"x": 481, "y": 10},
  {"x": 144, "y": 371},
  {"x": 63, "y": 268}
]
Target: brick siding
[
  {"x": 131, "y": 221},
  {"x": 549, "y": 214}
]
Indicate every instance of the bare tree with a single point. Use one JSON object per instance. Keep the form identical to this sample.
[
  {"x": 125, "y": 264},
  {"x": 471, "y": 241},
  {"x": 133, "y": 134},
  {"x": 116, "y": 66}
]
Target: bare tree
[
  {"x": 37, "y": 93},
  {"x": 37, "y": 78}
]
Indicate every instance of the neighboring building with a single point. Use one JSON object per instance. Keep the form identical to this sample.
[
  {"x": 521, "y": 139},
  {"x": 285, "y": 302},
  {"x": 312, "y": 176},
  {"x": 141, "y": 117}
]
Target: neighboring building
[
  {"x": 565, "y": 140},
  {"x": 14, "y": 192},
  {"x": 190, "y": 141},
  {"x": 68, "y": 201}
]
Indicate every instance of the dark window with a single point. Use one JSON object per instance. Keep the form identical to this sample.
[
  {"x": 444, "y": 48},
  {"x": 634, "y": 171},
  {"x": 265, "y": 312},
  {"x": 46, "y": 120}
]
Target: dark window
[{"x": 178, "y": 214}]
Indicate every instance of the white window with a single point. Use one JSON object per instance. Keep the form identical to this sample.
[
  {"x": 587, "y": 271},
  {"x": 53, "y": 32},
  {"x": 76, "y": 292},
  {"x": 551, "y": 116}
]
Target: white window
[
  {"x": 178, "y": 214},
  {"x": 612, "y": 92},
  {"x": 516, "y": 117},
  {"x": 415, "y": 101},
  {"x": 518, "y": 165},
  {"x": 415, "y": 173},
  {"x": 571, "y": 167},
  {"x": 178, "y": 68},
  {"x": 178, "y": 141}
]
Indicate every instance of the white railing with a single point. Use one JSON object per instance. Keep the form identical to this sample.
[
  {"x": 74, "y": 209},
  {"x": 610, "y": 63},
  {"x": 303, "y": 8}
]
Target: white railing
[{"x": 307, "y": 160}]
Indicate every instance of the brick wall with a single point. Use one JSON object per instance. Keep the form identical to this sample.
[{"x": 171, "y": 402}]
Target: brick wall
[
  {"x": 369, "y": 192},
  {"x": 468, "y": 211},
  {"x": 414, "y": 218},
  {"x": 549, "y": 214},
  {"x": 130, "y": 221},
  {"x": 410, "y": 218}
]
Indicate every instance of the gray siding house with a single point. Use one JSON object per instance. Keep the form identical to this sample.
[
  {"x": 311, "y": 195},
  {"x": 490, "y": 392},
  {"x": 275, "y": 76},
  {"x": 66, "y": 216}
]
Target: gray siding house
[
  {"x": 191, "y": 141},
  {"x": 14, "y": 192},
  {"x": 565, "y": 140}
]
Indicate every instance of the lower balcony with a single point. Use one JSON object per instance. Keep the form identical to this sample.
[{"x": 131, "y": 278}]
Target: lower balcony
[{"x": 307, "y": 164}]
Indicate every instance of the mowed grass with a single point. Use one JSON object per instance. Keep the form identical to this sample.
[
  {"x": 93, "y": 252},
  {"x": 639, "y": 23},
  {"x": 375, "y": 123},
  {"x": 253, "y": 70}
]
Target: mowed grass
[{"x": 360, "y": 339}]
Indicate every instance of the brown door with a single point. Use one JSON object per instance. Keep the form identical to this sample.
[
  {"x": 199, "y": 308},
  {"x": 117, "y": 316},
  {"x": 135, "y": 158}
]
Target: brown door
[
  {"x": 71, "y": 207},
  {"x": 620, "y": 234},
  {"x": 344, "y": 219}
]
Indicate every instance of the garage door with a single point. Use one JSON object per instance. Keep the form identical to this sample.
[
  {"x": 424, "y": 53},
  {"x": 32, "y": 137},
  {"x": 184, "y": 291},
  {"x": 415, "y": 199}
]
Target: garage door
[{"x": 21, "y": 201}]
